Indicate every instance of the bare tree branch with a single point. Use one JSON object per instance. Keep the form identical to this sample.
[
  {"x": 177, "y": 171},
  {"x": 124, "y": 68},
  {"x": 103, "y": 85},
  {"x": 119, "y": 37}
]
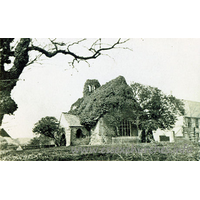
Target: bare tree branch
[
  {"x": 34, "y": 60},
  {"x": 72, "y": 44},
  {"x": 54, "y": 43},
  {"x": 20, "y": 51},
  {"x": 108, "y": 56},
  {"x": 96, "y": 53},
  {"x": 87, "y": 63}
]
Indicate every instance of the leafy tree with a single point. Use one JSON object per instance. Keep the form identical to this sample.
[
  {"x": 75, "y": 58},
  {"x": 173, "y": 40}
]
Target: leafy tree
[
  {"x": 49, "y": 127},
  {"x": 3, "y": 143},
  {"x": 156, "y": 110},
  {"x": 39, "y": 141},
  {"x": 16, "y": 54},
  {"x": 35, "y": 142}
]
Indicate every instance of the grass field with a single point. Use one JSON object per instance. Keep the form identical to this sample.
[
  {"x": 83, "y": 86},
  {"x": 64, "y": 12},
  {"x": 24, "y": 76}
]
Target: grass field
[{"x": 181, "y": 151}]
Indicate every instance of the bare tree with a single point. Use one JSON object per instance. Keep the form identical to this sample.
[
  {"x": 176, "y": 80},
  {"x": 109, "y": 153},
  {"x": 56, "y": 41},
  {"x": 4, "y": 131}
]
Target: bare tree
[{"x": 17, "y": 55}]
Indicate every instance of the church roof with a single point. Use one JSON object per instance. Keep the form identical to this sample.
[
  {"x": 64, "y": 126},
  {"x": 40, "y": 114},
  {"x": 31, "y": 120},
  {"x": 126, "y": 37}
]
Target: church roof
[
  {"x": 73, "y": 120},
  {"x": 192, "y": 109}
]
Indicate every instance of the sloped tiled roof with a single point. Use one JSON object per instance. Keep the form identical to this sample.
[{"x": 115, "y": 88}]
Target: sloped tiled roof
[
  {"x": 192, "y": 109},
  {"x": 73, "y": 120}
]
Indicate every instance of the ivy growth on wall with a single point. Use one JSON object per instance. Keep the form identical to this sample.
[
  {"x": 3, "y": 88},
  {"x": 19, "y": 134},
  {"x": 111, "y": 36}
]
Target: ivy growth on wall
[
  {"x": 114, "y": 101},
  {"x": 90, "y": 86}
]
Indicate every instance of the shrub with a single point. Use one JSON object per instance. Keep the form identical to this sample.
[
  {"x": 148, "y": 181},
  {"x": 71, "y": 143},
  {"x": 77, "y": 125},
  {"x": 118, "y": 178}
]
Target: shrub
[
  {"x": 12, "y": 146},
  {"x": 3, "y": 144}
]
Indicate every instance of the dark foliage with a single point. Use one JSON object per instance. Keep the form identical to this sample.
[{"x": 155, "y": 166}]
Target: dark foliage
[
  {"x": 49, "y": 127},
  {"x": 3, "y": 133},
  {"x": 90, "y": 85},
  {"x": 114, "y": 100},
  {"x": 156, "y": 110},
  {"x": 3, "y": 143}
]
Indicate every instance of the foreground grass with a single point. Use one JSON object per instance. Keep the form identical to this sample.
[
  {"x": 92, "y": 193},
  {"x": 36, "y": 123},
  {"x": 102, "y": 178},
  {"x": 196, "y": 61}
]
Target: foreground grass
[{"x": 182, "y": 151}]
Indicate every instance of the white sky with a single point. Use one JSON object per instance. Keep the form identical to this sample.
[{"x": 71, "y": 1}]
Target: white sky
[
  {"x": 51, "y": 88},
  {"x": 152, "y": 62}
]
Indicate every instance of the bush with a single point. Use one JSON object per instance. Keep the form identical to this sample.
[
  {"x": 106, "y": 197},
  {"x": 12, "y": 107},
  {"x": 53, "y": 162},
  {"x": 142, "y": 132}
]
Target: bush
[
  {"x": 3, "y": 144},
  {"x": 12, "y": 146}
]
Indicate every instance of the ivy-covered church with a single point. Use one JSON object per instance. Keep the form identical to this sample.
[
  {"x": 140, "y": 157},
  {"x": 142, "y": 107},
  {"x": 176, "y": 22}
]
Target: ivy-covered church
[{"x": 104, "y": 114}]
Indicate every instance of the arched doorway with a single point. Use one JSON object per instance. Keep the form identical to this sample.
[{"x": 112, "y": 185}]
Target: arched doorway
[
  {"x": 79, "y": 133},
  {"x": 63, "y": 140}
]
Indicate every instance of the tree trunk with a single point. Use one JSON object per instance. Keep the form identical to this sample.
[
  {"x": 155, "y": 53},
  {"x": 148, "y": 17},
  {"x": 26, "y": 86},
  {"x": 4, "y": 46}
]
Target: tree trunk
[
  {"x": 57, "y": 142},
  {"x": 1, "y": 118},
  {"x": 143, "y": 136},
  {"x": 150, "y": 137},
  {"x": 8, "y": 79}
]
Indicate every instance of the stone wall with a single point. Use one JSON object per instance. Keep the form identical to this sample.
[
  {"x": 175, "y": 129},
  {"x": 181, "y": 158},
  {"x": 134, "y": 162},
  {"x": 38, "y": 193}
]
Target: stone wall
[
  {"x": 191, "y": 133},
  {"x": 83, "y": 140},
  {"x": 101, "y": 133},
  {"x": 125, "y": 139},
  {"x": 67, "y": 136}
]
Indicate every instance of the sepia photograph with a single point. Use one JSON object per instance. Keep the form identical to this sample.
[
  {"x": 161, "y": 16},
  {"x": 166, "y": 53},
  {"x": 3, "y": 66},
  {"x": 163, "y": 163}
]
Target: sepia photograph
[
  {"x": 100, "y": 99},
  {"x": 114, "y": 85}
]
